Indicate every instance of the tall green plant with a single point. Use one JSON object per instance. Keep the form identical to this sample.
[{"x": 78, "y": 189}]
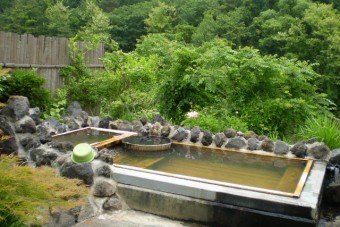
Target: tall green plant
[{"x": 324, "y": 128}]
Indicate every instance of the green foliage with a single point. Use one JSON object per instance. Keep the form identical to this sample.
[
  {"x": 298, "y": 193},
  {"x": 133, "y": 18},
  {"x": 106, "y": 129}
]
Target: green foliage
[
  {"x": 58, "y": 106},
  {"x": 206, "y": 122},
  {"x": 161, "y": 19},
  {"x": 323, "y": 128},
  {"x": 26, "y": 83},
  {"x": 25, "y": 190}
]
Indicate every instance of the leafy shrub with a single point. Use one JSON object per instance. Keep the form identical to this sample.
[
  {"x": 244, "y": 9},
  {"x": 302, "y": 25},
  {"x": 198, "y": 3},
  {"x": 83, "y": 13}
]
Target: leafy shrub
[
  {"x": 26, "y": 192},
  {"x": 323, "y": 128},
  {"x": 58, "y": 106},
  {"x": 26, "y": 83},
  {"x": 205, "y": 122}
]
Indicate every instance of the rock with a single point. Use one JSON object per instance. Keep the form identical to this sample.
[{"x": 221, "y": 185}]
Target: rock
[
  {"x": 318, "y": 150},
  {"x": 160, "y": 119},
  {"x": 180, "y": 134},
  {"x": 25, "y": 125},
  {"x": 104, "y": 187},
  {"x": 207, "y": 138},
  {"x": 63, "y": 147},
  {"x": 83, "y": 119},
  {"x": 112, "y": 204},
  {"x": 43, "y": 155},
  {"x": 267, "y": 145},
  {"x": 121, "y": 125},
  {"x": 239, "y": 133},
  {"x": 299, "y": 149},
  {"x": 165, "y": 131},
  {"x": 35, "y": 113},
  {"x": 62, "y": 218},
  {"x": 105, "y": 157},
  {"x": 332, "y": 191},
  {"x": 281, "y": 147},
  {"x": 249, "y": 134},
  {"x": 219, "y": 139},
  {"x": 104, "y": 171},
  {"x": 230, "y": 133},
  {"x": 44, "y": 133},
  {"x": 105, "y": 122},
  {"x": 74, "y": 109},
  {"x": 195, "y": 134},
  {"x": 86, "y": 212},
  {"x": 9, "y": 145},
  {"x": 136, "y": 126},
  {"x": 17, "y": 108},
  {"x": 262, "y": 137},
  {"x": 144, "y": 120},
  {"x": 83, "y": 171},
  {"x": 156, "y": 129},
  {"x": 54, "y": 126},
  {"x": 94, "y": 121},
  {"x": 72, "y": 123},
  {"x": 253, "y": 144},
  {"x": 236, "y": 143},
  {"x": 145, "y": 130},
  {"x": 29, "y": 141},
  {"x": 335, "y": 159}
]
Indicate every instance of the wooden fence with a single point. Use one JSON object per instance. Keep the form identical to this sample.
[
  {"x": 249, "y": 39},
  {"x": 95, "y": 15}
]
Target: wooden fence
[{"x": 47, "y": 54}]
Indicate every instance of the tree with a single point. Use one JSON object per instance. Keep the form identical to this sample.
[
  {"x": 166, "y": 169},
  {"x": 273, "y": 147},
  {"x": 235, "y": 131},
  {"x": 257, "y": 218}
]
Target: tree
[{"x": 161, "y": 19}]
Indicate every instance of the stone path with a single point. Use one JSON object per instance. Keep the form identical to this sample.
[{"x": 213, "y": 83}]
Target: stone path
[{"x": 131, "y": 218}]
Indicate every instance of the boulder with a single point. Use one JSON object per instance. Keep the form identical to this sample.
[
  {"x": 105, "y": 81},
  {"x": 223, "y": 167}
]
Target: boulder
[
  {"x": 44, "y": 133},
  {"x": 180, "y": 134},
  {"x": 25, "y": 125},
  {"x": 335, "y": 158},
  {"x": 158, "y": 118},
  {"x": 72, "y": 123},
  {"x": 145, "y": 130},
  {"x": 219, "y": 139},
  {"x": 86, "y": 212},
  {"x": 165, "y": 131},
  {"x": 112, "y": 204},
  {"x": 236, "y": 143},
  {"x": 29, "y": 141},
  {"x": 144, "y": 120},
  {"x": 318, "y": 150},
  {"x": 281, "y": 148},
  {"x": 74, "y": 109},
  {"x": 207, "y": 138},
  {"x": 8, "y": 145},
  {"x": 299, "y": 149},
  {"x": 156, "y": 129},
  {"x": 262, "y": 137},
  {"x": 230, "y": 133},
  {"x": 93, "y": 121},
  {"x": 35, "y": 113},
  {"x": 249, "y": 134},
  {"x": 82, "y": 172},
  {"x": 17, "y": 108},
  {"x": 104, "y": 187},
  {"x": 267, "y": 145},
  {"x": 54, "y": 126},
  {"x": 103, "y": 171},
  {"x": 253, "y": 144},
  {"x": 43, "y": 155},
  {"x": 195, "y": 134},
  {"x": 121, "y": 125},
  {"x": 83, "y": 119},
  {"x": 63, "y": 218},
  {"x": 63, "y": 147},
  {"x": 136, "y": 126},
  {"x": 105, "y": 122}
]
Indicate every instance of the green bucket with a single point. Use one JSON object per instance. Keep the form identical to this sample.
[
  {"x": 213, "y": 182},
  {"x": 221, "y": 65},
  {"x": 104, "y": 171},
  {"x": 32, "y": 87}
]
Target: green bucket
[{"x": 83, "y": 153}]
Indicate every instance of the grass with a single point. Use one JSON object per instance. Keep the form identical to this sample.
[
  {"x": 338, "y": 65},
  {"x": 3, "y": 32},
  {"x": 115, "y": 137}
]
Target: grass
[
  {"x": 27, "y": 194},
  {"x": 324, "y": 129}
]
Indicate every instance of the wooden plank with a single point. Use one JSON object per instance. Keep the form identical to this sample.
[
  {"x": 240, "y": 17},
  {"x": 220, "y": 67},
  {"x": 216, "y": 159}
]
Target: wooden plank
[
  {"x": 2, "y": 46},
  {"x": 8, "y": 40},
  {"x": 40, "y": 49},
  {"x": 303, "y": 178},
  {"x": 32, "y": 49}
]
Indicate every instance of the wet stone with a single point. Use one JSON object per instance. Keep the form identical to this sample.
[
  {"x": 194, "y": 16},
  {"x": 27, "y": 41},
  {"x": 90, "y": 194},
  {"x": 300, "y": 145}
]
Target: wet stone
[
  {"x": 236, "y": 143},
  {"x": 299, "y": 149},
  {"x": 104, "y": 187},
  {"x": 267, "y": 145},
  {"x": 230, "y": 133},
  {"x": 112, "y": 204},
  {"x": 195, "y": 134},
  {"x": 281, "y": 147}
]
